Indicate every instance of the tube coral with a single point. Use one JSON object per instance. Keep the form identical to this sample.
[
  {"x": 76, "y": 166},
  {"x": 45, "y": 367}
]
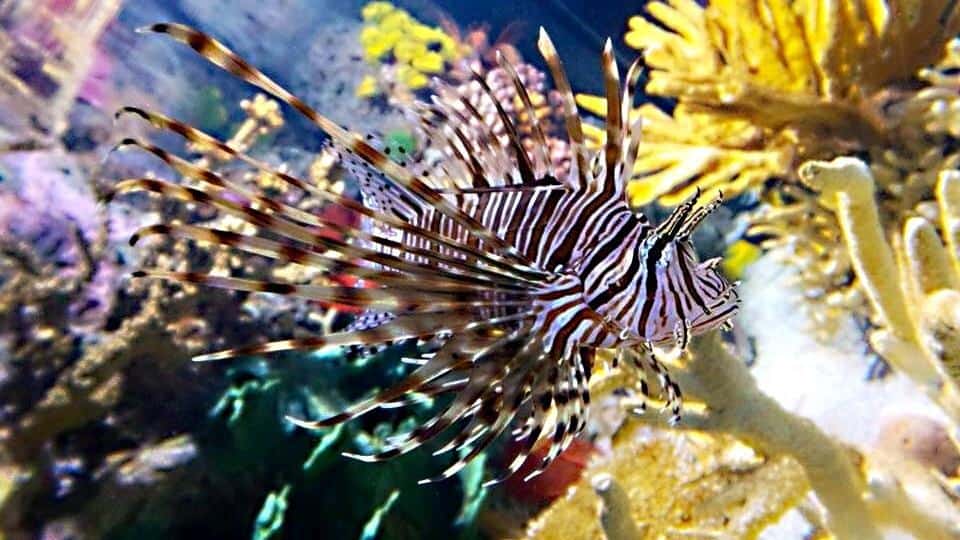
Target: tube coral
[
  {"x": 797, "y": 455},
  {"x": 910, "y": 278},
  {"x": 701, "y": 481}
]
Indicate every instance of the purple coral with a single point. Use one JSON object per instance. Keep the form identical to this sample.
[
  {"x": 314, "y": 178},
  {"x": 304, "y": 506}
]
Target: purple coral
[{"x": 45, "y": 205}]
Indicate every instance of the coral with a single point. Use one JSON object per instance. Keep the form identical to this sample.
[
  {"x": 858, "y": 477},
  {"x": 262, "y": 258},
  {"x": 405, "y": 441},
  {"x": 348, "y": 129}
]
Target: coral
[
  {"x": 799, "y": 221},
  {"x": 761, "y": 87},
  {"x": 921, "y": 439},
  {"x": 372, "y": 527},
  {"x": 90, "y": 352},
  {"x": 304, "y": 464},
  {"x": 55, "y": 240},
  {"x": 107, "y": 430},
  {"x": 270, "y": 519},
  {"x": 51, "y": 57},
  {"x": 251, "y": 413},
  {"x": 409, "y": 50},
  {"x": 474, "y": 493},
  {"x": 82, "y": 391},
  {"x": 662, "y": 485},
  {"x": 739, "y": 462},
  {"x": 409, "y": 55},
  {"x": 211, "y": 113},
  {"x": 86, "y": 390},
  {"x": 738, "y": 256},
  {"x": 801, "y": 232},
  {"x": 909, "y": 276},
  {"x": 128, "y": 481},
  {"x": 546, "y": 104},
  {"x": 330, "y": 71}
]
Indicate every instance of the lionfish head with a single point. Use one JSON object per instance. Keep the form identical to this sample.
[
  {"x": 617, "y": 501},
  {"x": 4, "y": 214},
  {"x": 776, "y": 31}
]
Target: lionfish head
[{"x": 681, "y": 296}]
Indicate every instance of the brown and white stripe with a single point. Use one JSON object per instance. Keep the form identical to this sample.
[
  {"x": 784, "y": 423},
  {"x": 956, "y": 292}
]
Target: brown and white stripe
[{"x": 527, "y": 272}]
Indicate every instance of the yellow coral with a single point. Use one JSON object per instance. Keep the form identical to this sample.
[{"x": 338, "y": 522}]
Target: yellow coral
[
  {"x": 377, "y": 42},
  {"x": 407, "y": 51},
  {"x": 391, "y": 36},
  {"x": 426, "y": 34},
  {"x": 808, "y": 76},
  {"x": 765, "y": 85},
  {"x": 723, "y": 398},
  {"x": 428, "y": 62},
  {"x": 452, "y": 50},
  {"x": 907, "y": 275},
  {"x": 397, "y": 19},
  {"x": 368, "y": 87},
  {"x": 738, "y": 256},
  {"x": 676, "y": 485},
  {"x": 411, "y": 78},
  {"x": 376, "y": 11}
]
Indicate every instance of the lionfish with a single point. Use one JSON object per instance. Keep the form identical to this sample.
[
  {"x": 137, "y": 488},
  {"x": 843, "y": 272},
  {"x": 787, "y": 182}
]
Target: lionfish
[{"x": 520, "y": 272}]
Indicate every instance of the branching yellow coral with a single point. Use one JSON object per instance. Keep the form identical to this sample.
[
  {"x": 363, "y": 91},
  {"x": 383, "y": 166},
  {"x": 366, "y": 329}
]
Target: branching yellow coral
[
  {"x": 763, "y": 85},
  {"x": 910, "y": 277},
  {"x": 391, "y": 35}
]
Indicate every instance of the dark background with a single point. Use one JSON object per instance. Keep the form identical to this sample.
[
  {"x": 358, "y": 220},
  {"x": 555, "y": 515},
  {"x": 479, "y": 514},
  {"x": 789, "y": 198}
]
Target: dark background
[{"x": 577, "y": 27}]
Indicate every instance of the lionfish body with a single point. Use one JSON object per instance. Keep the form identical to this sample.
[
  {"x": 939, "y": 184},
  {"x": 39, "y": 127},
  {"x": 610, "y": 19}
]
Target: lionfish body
[{"x": 523, "y": 273}]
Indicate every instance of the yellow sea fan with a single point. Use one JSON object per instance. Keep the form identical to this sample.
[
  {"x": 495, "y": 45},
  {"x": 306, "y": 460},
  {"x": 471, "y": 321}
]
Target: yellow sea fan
[
  {"x": 733, "y": 52},
  {"x": 692, "y": 149},
  {"x": 811, "y": 77},
  {"x": 694, "y": 153}
]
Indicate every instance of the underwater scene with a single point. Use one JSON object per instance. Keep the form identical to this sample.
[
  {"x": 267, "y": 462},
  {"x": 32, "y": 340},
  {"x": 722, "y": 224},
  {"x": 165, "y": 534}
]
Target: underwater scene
[{"x": 425, "y": 269}]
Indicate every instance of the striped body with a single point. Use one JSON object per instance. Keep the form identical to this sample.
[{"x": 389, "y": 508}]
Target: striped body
[
  {"x": 525, "y": 273},
  {"x": 589, "y": 234},
  {"x": 598, "y": 242}
]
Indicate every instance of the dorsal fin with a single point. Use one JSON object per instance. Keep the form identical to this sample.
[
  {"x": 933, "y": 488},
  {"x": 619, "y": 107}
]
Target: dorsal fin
[{"x": 221, "y": 56}]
